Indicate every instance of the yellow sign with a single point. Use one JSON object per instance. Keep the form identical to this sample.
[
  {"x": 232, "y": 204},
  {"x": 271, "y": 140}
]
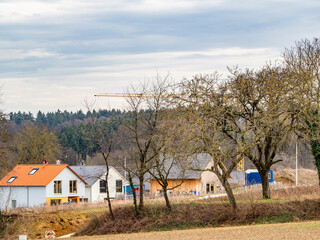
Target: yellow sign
[{"x": 240, "y": 165}]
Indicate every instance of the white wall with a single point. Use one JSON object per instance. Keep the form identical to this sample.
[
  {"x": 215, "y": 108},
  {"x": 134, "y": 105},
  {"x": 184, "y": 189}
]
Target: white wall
[
  {"x": 65, "y": 176},
  {"x": 209, "y": 177},
  {"x": 28, "y": 196},
  {"x": 114, "y": 175}
]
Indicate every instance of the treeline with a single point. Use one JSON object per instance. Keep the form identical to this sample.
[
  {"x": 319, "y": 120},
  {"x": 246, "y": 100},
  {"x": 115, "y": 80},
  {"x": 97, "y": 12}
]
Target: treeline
[
  {"x": 71, "y": 129},
  {"x": 53, "y": 119},
  {"x": 75, "y": 137}
]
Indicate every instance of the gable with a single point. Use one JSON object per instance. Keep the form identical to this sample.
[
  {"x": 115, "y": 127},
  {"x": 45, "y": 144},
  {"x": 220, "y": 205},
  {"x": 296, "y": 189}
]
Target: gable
[{"x": 90, "y": 173}]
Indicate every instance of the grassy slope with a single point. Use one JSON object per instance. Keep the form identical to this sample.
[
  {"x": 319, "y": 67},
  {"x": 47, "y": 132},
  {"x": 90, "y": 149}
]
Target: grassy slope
[{"x": 293, "y": 204}]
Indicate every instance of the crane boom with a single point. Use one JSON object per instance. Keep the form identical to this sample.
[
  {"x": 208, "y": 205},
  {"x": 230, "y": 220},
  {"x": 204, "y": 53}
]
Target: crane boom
[{"x": 141, "y": 95}]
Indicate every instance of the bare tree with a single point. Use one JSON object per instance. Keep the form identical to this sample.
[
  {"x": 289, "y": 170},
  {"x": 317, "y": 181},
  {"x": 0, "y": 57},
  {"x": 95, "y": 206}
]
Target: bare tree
[
  {"x": 35, "y": 143},
  {"x": 100, "y": 136},
  {"x": 169, "y": 161},
  {"x": 303, "y": 62},
  {"x": 263, "y": 113},
  {"x": 146, "y": 108},
  {"x": 206, "y": 111}
]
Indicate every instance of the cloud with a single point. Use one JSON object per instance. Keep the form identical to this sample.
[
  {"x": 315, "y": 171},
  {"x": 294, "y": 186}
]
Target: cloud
[
  {"x": 65, "y": 85},
  {"x": 12, "y": 54},
  {"x": 54, "y": 53}
]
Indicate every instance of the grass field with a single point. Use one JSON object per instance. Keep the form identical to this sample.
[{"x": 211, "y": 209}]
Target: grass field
[{"x": 291, "y": 231}]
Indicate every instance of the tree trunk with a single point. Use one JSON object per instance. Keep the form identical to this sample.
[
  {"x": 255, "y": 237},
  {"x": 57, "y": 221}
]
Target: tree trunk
[
  {"x": 141, "y": 202},
  {"x": 265, "y": 184},
  {"x": 108, "y": 196},
  {"x": 166, "y": 197},
  {"x": 229, "y": 192},
  {"x": 136, "y": 210},
  {"x": 315, "y": 148}
]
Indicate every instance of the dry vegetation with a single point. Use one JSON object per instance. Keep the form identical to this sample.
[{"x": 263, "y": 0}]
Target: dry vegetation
[
  {"x": 292, "y": 204},
  {"x": 287, "y": 204}
]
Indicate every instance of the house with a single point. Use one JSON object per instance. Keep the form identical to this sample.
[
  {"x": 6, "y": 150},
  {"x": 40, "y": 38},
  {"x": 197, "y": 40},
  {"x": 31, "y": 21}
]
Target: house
[
  {"x": 95, "y": 176},
  {"x": 45, "y": 184},
  {"x": 196, "y": 182}
]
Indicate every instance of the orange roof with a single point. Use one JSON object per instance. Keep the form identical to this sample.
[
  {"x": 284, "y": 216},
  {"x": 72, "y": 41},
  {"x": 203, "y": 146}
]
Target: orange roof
[{"x": 42, "y": 177}]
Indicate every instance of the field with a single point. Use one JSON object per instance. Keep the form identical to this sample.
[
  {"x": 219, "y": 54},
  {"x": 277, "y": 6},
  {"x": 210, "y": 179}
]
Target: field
[
  {"x": 292, "y": 231},
  {"x": 207, "y": 216}
]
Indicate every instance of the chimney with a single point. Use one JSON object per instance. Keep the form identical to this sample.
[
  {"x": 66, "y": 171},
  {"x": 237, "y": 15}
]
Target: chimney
[{"x": 58, "y": 162}]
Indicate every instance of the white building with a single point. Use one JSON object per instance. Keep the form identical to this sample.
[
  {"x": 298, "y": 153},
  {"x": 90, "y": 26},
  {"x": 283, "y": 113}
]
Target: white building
[
  {"x": 34, "y": 185},
  {"x": 95, "y": 176}
]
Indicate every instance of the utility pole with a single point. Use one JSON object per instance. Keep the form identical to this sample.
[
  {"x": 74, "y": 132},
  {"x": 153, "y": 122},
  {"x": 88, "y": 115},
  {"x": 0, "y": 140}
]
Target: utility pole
[
  {"x": 125, "y": 176},
  {"x": 297, "y": 162}
]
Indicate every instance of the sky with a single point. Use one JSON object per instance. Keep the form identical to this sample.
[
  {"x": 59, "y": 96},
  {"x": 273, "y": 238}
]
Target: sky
[{"x": 54, "y": 54}]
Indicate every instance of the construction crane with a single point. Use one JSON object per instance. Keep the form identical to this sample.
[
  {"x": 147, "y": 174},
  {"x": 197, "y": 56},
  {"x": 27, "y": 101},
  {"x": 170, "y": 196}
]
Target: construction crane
[
  {"x": 141, "y": 95},
  {"x": 149, "y": 95}
]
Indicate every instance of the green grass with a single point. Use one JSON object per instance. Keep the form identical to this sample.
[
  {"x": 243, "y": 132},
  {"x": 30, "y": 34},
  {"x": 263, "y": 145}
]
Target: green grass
[
  {"x": 306, "y": 226},
  {"x": 275, "y": 219},
  {"x": 181, "y": 226}
]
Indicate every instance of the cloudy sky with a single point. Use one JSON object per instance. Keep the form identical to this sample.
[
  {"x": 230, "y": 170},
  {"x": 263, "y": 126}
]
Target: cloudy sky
[{"x": 56, "y": 53}]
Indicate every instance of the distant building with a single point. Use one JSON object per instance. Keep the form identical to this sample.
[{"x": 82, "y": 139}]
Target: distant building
[
  {"x": 33, "y": 185},
  {"x": 95, "y": 176},
  {"x": 196, "y": 182}
]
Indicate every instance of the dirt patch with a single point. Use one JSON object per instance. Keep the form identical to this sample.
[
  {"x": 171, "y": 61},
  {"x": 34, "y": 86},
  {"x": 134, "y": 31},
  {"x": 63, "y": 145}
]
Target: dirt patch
[
  {"x": 35, "y": 225},
  {"x": 288, "y": 177}
]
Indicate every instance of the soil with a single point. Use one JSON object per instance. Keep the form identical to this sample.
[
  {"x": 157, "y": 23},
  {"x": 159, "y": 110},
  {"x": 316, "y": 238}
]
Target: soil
[{"x": 294, "y": 231}]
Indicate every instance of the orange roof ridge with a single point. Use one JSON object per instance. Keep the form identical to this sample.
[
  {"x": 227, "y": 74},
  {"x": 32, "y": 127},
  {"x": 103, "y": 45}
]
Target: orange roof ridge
[{"x": 42, "y": 177}]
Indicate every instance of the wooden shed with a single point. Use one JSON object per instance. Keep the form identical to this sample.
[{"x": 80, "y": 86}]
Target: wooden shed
[{"x": 196, "y": 182}]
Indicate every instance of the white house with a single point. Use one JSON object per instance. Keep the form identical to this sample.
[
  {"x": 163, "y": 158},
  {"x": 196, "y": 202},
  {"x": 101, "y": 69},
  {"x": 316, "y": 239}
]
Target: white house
[
  {"x": 95, "y": 176},
  {"x": 34, "y": 185}
]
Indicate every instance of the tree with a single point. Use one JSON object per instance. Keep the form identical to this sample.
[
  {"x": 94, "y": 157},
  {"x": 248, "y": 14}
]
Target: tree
[
  {"x": 35, "y": 143},
  {"x": 303, "y": 61},
  {"x": 206, "y": 111},
  {"x": 101, "y": 137},
  {"x": 167, "y": 150},
  {"x": 145, "y": 114},
  {"x": 263, "y": 113}
]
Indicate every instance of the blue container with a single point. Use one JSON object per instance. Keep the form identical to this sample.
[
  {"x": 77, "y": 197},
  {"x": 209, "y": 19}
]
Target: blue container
[
  {"x": 252, "y": 177},
  {"x": 128, "y": 190}
]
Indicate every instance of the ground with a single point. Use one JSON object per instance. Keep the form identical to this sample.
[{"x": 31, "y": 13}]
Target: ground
[{"x": 293, "y": 231}]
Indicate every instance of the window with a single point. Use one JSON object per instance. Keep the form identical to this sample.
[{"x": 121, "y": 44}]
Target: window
[
  {"x": 212, "y": 187},
  {"x": 103, "y": 186},
  {"x": 55, "y": 202},
  {"x": 14, "y": 203},
  {"x": 73, "y": 186},
  {"x": 269, "y": 175},
  {"x": 33, "y": 171},
  {"x": 57, "y": 187},
  {"x": 118, "y": 185},
  {"x": 11, "y": 179}
]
